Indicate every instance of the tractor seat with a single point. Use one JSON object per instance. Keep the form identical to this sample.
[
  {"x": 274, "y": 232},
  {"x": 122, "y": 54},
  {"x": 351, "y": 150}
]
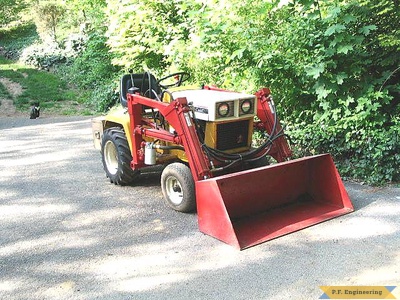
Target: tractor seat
[{"x": 140, "y": 81}]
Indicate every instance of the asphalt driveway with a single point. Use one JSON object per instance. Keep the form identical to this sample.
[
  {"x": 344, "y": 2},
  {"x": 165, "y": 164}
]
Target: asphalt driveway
[{"x": 67, "y": 233}]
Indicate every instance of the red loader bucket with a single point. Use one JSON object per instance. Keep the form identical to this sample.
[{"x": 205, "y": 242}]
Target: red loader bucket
[{"x": 250, "y": 207}]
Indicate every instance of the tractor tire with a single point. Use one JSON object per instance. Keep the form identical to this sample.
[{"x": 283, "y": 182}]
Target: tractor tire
[
  {"x": 178, "y": 188},
  {"x": 117, "y": 157}
]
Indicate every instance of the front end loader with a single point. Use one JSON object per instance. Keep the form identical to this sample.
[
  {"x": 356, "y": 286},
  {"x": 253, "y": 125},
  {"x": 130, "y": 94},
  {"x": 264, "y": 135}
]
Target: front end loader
[{"x": 203, "y": 136}]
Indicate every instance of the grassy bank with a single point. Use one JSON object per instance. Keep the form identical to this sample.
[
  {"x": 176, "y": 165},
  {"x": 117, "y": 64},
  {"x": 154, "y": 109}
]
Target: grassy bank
[{"x": 30, "y": 85}]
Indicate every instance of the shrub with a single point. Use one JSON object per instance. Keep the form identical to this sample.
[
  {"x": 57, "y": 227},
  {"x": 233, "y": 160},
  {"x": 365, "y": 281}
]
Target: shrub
[
  {"x": 16, "y": 38},
  {"x": 93, "y": 72},
  {"x": 103, "y": 96},
  {"x": 93, "y": 65},
  {"x": 43, "y": 56},
  {"x": 75, "y": 44}
]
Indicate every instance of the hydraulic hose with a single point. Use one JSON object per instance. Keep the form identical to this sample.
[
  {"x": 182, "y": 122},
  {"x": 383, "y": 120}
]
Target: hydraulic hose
[
  {"x": 168, "y": 147},
  {"x": 265, "y": 147},
  {"x": 250, "y": 156}
]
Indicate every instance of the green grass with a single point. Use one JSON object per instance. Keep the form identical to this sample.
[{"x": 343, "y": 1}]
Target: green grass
[
  {"x": 47, "y": 88},
  {"x": 4, "y": 92},
  {"x": 39, "y": 86}
]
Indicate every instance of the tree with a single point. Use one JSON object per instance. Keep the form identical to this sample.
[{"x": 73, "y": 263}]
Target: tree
[
  {"x": 47, "y": 18},
  {"x": 86, "y": 15},
  {"x": 141, "y": 33},
  {"x": 9, "y": 10}
]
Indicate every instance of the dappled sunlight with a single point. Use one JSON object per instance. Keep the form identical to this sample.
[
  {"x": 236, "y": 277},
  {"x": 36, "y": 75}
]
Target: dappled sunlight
[
  {"x": 7, "y": 194},
  {"x": 156, "y": 265},
  {"x": 34, "y": 148},
  {"x": 149, "y": 283},
  {"x": 11, "y": 213},
  {"x": 67, "y": 233},
  {"x": 50, "y": 156},
  {"x": 287, "y": 241},
  {"x": 387, "y": 274},
  {"x": 63, "y": 289},
  {"x": 143, "y": 272},
  {"x": 377, "y": 210},
  {"x": 95, "y": 218},
  {"x": 49, "y": 242},
  {"x": 11, "y": 146},
  {"x": 10, "y": 285},
  {"x": 379, "y": 218},
  {"x": 225, "y": 256},
  {"x": 354, "y": 228}
]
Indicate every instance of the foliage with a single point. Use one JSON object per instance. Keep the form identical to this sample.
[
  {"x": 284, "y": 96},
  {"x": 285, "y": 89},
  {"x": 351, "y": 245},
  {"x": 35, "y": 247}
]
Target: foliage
[
  {"x": 94, "y": 64},
  {"x": 47, "y": 17},
  {"x": 43, "y": 56},
  {"x": 37, "y": 86},
  {"x": 333, "y": 65},
  {"x": 75, "y": 44},
  {"x": 14, "y": 39},
  {"x": 9, "y": 10},
  {"x": 104, "y": 96},
  {"x": 84, "y": 15},
  {"x": 353, "y": 111},
  {"x": 4, "y": 92},
  {"x": 141, "y": 32},
  {"x": 92, "y": 71}
]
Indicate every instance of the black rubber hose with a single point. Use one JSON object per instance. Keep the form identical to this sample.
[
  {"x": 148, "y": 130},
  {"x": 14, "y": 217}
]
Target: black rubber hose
[
  {"x": 221, "y": 156},
  {"x": 168, "y": 147}
]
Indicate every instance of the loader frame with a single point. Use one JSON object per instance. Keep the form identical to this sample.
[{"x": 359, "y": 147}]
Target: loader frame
[
  {"x": 178, "y": 115},
  {"x": 242, "y": 207}
]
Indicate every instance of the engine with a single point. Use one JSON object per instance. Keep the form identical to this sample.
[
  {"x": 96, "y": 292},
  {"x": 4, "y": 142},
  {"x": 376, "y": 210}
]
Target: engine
[
  {"x": 212, "y": 105},
  {"x": 225, "y": 118}
]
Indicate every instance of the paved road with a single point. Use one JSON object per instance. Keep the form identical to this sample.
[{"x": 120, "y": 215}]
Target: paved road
[{"x": 67, "y": 233}]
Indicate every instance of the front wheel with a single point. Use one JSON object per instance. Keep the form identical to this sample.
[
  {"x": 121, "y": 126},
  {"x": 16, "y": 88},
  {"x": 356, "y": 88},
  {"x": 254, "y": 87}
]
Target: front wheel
[
  {"x": 177, "y": 185},
  {"x": 116, "y": 157}
]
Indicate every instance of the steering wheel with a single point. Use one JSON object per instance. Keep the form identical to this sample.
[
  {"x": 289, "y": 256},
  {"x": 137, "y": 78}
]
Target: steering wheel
[{"x": 180, "y": 77}]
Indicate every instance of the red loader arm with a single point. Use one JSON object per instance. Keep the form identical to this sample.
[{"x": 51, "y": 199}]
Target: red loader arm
[
  {"x": 265, "y": 112},
  {"x": 178, "y": 116}
]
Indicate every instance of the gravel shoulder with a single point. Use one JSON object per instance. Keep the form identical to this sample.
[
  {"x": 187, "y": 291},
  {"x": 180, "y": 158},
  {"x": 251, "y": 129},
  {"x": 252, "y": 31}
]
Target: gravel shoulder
[{"x": 67, "y": 233}]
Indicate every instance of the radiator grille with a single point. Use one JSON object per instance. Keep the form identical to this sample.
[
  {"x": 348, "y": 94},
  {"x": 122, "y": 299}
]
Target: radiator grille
[{"x": 232, "y": 135}]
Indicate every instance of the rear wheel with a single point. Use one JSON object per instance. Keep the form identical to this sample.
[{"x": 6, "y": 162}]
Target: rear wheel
[
  {"x": 177, "y": 185},
  {"x": 117, "y": 157}
]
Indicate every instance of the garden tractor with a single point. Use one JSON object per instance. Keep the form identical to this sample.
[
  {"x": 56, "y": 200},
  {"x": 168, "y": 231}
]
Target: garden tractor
[{"x": 245, "y": 193}]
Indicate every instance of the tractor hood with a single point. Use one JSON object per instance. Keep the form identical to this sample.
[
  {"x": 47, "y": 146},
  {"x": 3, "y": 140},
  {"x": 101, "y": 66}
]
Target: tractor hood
[{"x": 212, "y": 105}]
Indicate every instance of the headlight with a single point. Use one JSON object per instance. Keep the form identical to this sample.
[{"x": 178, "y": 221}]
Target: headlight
[
  {"x": 223, "y": 109},
  {"x": 246, "y": 106}
]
